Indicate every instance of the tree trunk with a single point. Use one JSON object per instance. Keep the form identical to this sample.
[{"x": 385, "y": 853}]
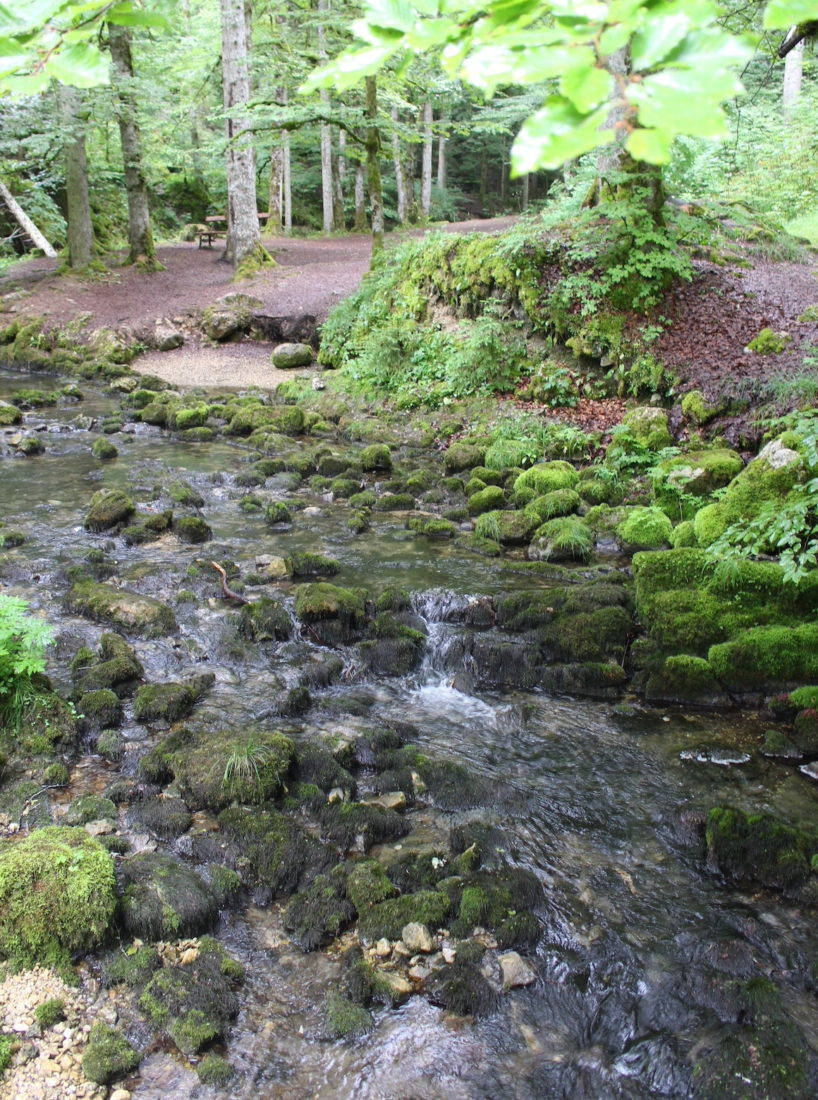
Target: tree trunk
[
  {"x": 342, "y": 159},
  {"x": 360, "y": 202},
  {"x": 327, "y": 190},
  {"x": 426, "y": 169},
  {"x": 441, "y": 162},
  {"x": 337, "y": 192},
  {"x": 25, "y": 222},
  {"x": 288, "y": 185},
  {"x": 793, "y": 72},
  {"x": 244, "y": 248},
  {"x": 141, "y": 248},
  {"x": 80, "y": 229},
  {"x": 373, "y": 167},
  {"x": 400, "y": 176},
  {"x": 275, "y": 201}
]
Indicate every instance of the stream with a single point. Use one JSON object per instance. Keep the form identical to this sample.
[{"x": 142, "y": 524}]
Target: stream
[{"x": 642, "y": 949}]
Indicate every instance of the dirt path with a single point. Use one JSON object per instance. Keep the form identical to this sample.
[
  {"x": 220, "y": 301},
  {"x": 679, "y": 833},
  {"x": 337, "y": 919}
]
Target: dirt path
[{"x": 312, "y": 275}]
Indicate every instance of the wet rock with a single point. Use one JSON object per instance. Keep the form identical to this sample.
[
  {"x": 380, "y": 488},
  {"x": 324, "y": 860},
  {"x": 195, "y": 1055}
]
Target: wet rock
[
  {"x": 318, "y": 914},
  {"x": 213, "y": 768},
  {"x": 724, "y": 758},
  {"x": 100, "y": 709},
  {"x": 162, "y": 898},
  {"x": 108, "y": 1055},
  {"x": 109, "y": 507},
  {"x": 462, "y": 989},
  {"x": 353, "y": 824},
  {"x": 290, "y": 356},
  {"x": 393, "y": 800},
  {"x": 121, "y": 608},
  {"x": 778, "y": 746},
  {"x": 90, "y": 807},
  {"x": 418, "y": 939},
  {"x": 330, "y": 613},
  {"x": 516, "y": 971},
  {"x": 167, "y": 818},
  {"x": 759, "y": 848},
  {"x": 172, "y": 701},
  {"x": 192, "y": 529},
  {"x": 115, "y": 666},
  {"x": 387, "y": 919},
  {"x": 9, "y": 415}
]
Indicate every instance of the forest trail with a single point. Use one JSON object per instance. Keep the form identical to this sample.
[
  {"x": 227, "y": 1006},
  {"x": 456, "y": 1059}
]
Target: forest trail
[{"x": 312, "y": 275}]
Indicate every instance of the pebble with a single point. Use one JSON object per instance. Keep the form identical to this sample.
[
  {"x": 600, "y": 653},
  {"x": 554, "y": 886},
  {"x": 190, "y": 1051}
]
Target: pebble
[
  {"x": 516, "y": 971},
  {"x": 383, "y": 949},
  {"x": 417, "y": 937}
]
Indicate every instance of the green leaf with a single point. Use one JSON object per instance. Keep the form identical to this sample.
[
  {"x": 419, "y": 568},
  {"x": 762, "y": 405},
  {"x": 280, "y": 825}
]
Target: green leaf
[
  {"x": 81, "y": 64},
  {"x": 652, "y": 146},
  {"x": 556, "y": 133},
  {"x": 782, "y": 14},
  {"x": 586, "y": 87},
  {"x": 656, "y": 38},
  {"x": 395, "y": 14},
  {"x": 349, "y": 68}
]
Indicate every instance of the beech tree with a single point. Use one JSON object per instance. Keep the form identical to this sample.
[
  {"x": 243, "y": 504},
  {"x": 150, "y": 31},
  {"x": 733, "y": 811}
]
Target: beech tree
[
  {"x": 244, "y": 248},
  {"x": 80, "y": 228}
]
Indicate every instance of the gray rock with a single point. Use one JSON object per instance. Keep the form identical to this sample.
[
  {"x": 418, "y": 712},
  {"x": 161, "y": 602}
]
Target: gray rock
[
  {"x": 418, "y": 938},
  {"x": 516, "y": 971},
  {"x": 166, "y": 337},
  {"x": 289, "y": 356}
]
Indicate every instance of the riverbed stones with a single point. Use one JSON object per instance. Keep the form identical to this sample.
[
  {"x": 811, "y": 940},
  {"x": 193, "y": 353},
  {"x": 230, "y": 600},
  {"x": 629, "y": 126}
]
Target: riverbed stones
[
  {"x": 516, "y": 971},
  {"x": 122, "y": 608},
  {"x": 418, "y": 939},
  {"x": 291, "y": 356}
]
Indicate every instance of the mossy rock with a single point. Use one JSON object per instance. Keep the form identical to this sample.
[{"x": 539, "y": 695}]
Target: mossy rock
[
  {"x": 100, "y": 709},
  {"x": 546, "y": 477},
  {"x": 560, "y": 502},
  {"x": 273, "y": 854},
  {"x": 192, "y": 416},
  {"x": 126, "y": 610},
  {"x": 192, "y": 529},
  {"x": 488, "y": 499},
  {"x": 368, "y": 885},
  {"x": 104, "y": 450},
  {"x": 183, "y": 493},
  {"x": 10, "y": 415},
  {"x": 109, "y": 507},
  {"x": 462, "y": 989},
  {"x": 270, "y": 419},
  {"x": 765, "y": 482},
  {"x": 216, "y": 768},
  {"x": 648, "y": 426},
  {"x": 345, "y": 1019},
  {"x": 768, "y": 342},
  {"x": 117, "y": 667},
  {"x": 565, "y": 539},
  {"x": 167, "y": 818},
  {"x": 228, "y": 315},
  {"x": 759, "y": 849},
  {"x": 463, "y": 456},
  {"x": 265, "y": 620},
  {"x": 599, "y": 490},
  {"x": 686, "y": 681},
  {"x": 195, "y": 1003},
  {"x": 695, "y": 474},
  {"x": 767, "y": 657},
  {"x": 684, "y": 534},
  {"x": 348, "y": 824},
  {"x": 108, "y": 1055},
  {"x": 376, "y": 457},
  {"x": 90, "y": 807},
  {"x": 394, "y": 502},
  {"x": 333, "y": 614},
  {"x": 321, "y": 912},
  {"x": 588, "y": 636},
  {"x": 432, "y": 527},
  {"x": 172, "y": 701},
  {"x": 315, "y": 764},
  {"x": 644, "y": 529},
  {"x": 509, "y": 528},
  {"x": 308, "y": 564},
  {"x": 387, "y": 919},
  {"x": 163, "y": 899},
  {"x": 476, "y": 544},
  {"x": 698, "y": 410},
  {"x": 291, "y": 356},
  {"x": 30, "y": 445},
  {"x": 57, "y": 896}
]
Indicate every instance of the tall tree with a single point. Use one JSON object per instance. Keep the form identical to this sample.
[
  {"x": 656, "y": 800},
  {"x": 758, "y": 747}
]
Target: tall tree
[
  {"x": 426, "y": 160},
  {"x": 244, "y": 248},
  {"x": 141, "y": 248},
  {"x": 327, "y": 190},
  {"x": 80, "y": 228},
  {"x": 373, "y": 165},
  {"x": 793, "y": 72},
  {"x": 399, "y": 169}
]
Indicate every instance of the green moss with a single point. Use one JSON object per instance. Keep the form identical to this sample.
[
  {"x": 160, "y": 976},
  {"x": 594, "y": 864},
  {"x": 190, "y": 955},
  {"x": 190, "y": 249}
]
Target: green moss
[
  {"x": 462, "y": 989},
  {"x": 214, "y": 1070},
  {"x": 510, "y": 528},
  {"x": 192, "y": 529},
  {"x": 388, "y": 918},
  {"x": 170, "y": 702},
  {"x": 104, "y": 450},
  {"x": 307, "y": 564},
  {"x": 463, "y": 456},
  {"x": 272, "y": 853},
  {"x": 804, "y": 698},
  {"x": 679, "y": 480},
  {"x": 351, "y": 823},
  {"x": 122, "y": 608},
  {"x": 487, "y": 499},
  {"x": 768, "y": 342},
  {"x": 432, "y": 528},
  {"x": 648, "y": 426},
  {"x": 560, "y": 502},
  {"x": 50, "y": 1012},
  {"x": 321, "y": 912},
  {"x": 368, "y": 885},
  {"x": 547, "y": 477},
  {"x": 314, "y": 602},
  {"x": 376, "y": 457},
  {"x": 132, "y": 967},
  {"x": 184, "y": 493},
  {"x": 9, "y": 415},
  {"x": 769, "y": 655},
  {"x": 564, "y": 539},
  {"x": 759, "y": 848},
  {"x": 108, "y": 508},
  {"x": 345, "y": 1019},
  {"x": 645, "y": 529},
  {"x": 683, "y": 535},
  {"x": 684, "y": 679},
  {"x": 696, "y": 408},
  {"x": 108, "y": 1055},
  {"x": 265, "y": 620},
  {"x": 164, "y": 899},
  {"x": 394, "y": 502},
  {"x": 195, "y": 416},
  {"x": 57, "y": 895},
  {"x": 216, "y": 768},
  {"x": 90, "y": 807}
]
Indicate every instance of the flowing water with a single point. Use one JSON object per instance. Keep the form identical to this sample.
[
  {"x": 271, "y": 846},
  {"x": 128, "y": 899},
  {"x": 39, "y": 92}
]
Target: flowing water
[{"x": 642, "y": 950}]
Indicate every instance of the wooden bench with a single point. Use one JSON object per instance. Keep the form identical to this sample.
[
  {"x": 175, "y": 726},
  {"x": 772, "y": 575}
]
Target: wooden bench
[{"x": 208, "y": 236}]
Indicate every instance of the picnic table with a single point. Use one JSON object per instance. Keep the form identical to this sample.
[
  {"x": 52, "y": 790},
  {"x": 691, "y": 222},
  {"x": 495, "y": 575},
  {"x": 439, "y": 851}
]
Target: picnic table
[{"x": 216, "y": 227}]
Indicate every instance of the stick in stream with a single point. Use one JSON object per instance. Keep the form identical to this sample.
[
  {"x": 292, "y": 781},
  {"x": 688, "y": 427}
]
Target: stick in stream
[{"x": 228, "y": 591}]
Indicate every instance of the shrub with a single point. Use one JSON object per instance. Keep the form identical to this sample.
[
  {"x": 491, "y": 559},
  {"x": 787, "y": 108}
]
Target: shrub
[{"x": 23, "y": 640}]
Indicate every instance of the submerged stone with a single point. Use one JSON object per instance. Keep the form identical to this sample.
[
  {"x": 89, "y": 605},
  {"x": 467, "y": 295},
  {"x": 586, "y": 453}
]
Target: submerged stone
[{"x": 108, "y": 508}]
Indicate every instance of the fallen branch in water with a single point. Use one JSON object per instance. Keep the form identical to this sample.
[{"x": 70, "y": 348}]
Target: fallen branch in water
[{"x": 231, "y": 595}]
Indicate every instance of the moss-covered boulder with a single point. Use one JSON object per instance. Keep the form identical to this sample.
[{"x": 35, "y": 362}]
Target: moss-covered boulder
[
  {"x": 647, "y": 426},
  {"x": 559, "y": 502},
  {"x": 767, "y": 657},
  {"x": 272, "y": 853},
  {"x": 488, "y": 499},
  {"x": 290, "y": 356},
  {"x": 109, "y": 507},
  {"x": 698, "y": 409},
  {"x": 126, "y": 610},
  {"x": 116, "y": 666},
  {"x": 644, "y": 529},
  {"x": 214, "y": 768},
  {"x": 509, "y": 528},
  {"x": 387, "y": 919},
  {"x": 163, "y": 898},
  {"x": 694, "y": 475},
  {"x": 375, "y": 457},
  {"x": 172, "y": 701},
  {"x": 463, "y": 456},
  {"x": 764, "y": 483},
  {"x": 564, "y": 539},
  {"x": 462, "y": 989},
  {"x": 90, "y": 807},
  {"x": 195, "y": 1003},
  {"x": 265, "y": 620},
  {"x": 100, "y": 709},
  {"x": 759, "y": 849},
  {"x": 688, "y": 681},
  {"x": 192, "y": 529},
  {"x": 9, "y": 415},
  {"x": 104, "y": 450},
  {"x": 546, "y": 477},
  {"x": 332, "y": 614},
  {"x": 57, "y": 896},
  {"x": 228, "y": 316},
  {"x": 321, "y": 912}
]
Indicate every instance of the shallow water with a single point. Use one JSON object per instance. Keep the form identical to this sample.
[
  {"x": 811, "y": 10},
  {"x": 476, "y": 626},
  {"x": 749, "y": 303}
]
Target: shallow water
[{"x": 641, "y": 947}]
